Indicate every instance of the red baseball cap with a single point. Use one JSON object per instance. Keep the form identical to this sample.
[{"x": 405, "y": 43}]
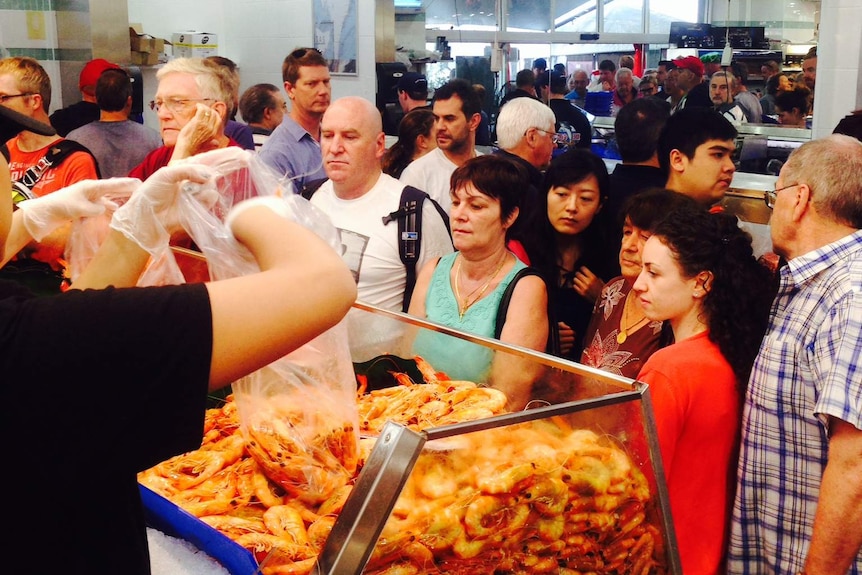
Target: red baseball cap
[
  {"x": 691, "y": 63},
  {"x": 92, "y": 70}
]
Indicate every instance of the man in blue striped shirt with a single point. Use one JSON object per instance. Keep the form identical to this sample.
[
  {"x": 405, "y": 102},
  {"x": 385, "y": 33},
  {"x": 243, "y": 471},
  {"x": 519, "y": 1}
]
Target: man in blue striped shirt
[{"x": 798, "y": 505}]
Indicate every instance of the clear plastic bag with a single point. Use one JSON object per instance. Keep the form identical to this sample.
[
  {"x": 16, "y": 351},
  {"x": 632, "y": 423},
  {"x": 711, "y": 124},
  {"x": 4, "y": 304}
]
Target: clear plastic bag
[{"x": 299, "y": 414}]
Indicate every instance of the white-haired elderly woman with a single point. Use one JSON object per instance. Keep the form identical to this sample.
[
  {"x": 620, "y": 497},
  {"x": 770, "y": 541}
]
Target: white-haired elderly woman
[
  {"x": 192, "y": 102},
  {"x": 526, "y": 135}
]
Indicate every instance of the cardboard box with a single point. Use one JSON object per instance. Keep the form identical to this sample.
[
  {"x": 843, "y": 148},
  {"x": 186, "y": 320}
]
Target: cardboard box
[
  {"x": 144, "y": 58},
  {"x": 193, "y": 44}
]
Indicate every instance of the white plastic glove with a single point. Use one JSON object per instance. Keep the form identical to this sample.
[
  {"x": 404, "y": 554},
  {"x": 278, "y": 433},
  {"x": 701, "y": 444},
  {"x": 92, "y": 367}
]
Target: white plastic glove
[
  {"x": 43, "y": 215},
  {"x": 223, "y": 160},
  {"x": 149, "y": 215}
]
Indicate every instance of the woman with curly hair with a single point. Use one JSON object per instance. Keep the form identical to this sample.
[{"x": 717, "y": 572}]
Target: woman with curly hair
[
  {"x": 700, "y": 275},
  {"x": 415, "y": 139}
]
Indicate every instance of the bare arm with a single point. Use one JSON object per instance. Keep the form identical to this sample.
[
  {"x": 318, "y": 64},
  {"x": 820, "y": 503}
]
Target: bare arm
[
  {"x": 420, "y": 289},
  {"x": 5, "y": 206},
  {"x": 526, "y": 326},
  {"x": 304, "y": 288},
  {"x": 837, "y": 535},
  {"x": 118, "y": 262}
]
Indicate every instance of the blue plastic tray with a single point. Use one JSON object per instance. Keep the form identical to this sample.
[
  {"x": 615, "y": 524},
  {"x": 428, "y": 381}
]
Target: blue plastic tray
[{"x": 172, "y": 520}]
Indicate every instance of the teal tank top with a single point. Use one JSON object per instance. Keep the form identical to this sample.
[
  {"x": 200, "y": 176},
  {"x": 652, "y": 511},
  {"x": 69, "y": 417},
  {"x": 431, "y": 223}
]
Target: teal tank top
[{"x": 459, "y": 359}]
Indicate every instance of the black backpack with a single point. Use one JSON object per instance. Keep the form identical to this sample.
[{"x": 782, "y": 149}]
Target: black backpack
[{"x": 409, "y": 218}]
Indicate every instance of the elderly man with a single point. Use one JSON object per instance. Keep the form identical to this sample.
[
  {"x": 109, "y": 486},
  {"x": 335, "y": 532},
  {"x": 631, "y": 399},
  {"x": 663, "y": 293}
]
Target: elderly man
[
  {"x": 798, "y": 505},
  {"x": 192, "y": 103},
  {"x": 721, "y": 88},
  {"x": 358, "y": 195},
  {"x": 625, "y": 91},
  {"x": 39, "y": 164},
  {"x": 293, "y": 149},
  {"x": 457, "y": 112},
  {"x": 526, "y": 135},
  {"x": 577, "y": 84}
]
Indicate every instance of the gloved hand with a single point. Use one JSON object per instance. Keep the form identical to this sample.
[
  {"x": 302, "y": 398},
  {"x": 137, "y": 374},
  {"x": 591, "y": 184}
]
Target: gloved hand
[
  {"x": 223, "y": 160},
  {"x": 43, "y": 215},
  {"x": 150, "y": 214}
]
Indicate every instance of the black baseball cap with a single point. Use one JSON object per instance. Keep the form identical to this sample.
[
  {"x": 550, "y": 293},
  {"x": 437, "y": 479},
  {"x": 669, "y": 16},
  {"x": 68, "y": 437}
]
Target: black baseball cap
[
  {"x": 414, "y": 84},
  {"x": 12, "y": 122}
]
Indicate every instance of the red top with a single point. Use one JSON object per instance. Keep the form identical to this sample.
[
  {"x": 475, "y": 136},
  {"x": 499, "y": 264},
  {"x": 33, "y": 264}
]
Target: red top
[{"x": 697, "y": 412}]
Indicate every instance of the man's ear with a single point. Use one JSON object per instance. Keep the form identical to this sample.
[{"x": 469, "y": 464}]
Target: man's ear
[
  {"x": 678, "y": 160},
  {"x": 474, "y": 121},
  {"x": 803, "y": 202},
  {"x": 221, "y": 110},
  {"x": 288, "y": 88}
]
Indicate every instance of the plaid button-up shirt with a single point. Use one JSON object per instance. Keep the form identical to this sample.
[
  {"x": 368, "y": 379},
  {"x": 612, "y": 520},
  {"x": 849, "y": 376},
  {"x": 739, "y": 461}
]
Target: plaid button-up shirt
[{"x": 808, "y": 368}]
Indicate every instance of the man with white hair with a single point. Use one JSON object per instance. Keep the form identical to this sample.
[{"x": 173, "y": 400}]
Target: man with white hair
[
  {"x": 625, "y": 91},
  {"x": 526, "y": 135},
  {"x": 192, "y": 103}
]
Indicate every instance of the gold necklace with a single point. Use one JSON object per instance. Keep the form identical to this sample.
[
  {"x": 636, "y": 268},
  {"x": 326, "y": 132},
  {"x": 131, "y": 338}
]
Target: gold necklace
[
  {"x": 466, "y": 304},
  {"x": 625, "y": 329}
]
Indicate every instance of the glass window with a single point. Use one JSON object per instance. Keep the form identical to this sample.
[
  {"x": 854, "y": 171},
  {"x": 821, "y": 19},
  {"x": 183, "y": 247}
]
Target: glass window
[
  {"x": 624, "y": 17},
  {"x": 663, "y": 12},
  {"x": 461, "y": 14},
  {"x": 575, "y": 16},
  {"x": 528, "y": 15}
]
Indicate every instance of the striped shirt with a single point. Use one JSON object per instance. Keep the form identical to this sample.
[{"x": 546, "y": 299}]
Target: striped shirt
[{"x": 805, "y": 371}]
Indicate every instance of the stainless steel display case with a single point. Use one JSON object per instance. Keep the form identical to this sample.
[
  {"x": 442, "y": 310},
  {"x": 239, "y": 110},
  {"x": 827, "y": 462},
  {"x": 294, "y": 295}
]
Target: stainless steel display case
[{"x": 497, "y": 464}]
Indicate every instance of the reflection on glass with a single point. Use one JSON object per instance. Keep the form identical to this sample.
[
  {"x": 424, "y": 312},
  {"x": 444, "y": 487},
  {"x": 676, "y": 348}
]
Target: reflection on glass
[
  {"x": 623, "y": 17},
  {"x": 529, "y": 15},
  {"x": 461, "y": 14},
  {"x": 663, "y": 12},
  {"x": 575, "y": 16}
]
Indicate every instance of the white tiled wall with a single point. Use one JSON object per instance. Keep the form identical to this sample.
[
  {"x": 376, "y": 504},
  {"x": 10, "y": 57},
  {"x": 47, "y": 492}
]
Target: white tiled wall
[{"x": 258, "y": 34}]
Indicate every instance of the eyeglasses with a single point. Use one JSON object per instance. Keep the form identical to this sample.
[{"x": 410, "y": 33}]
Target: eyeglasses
[
  {"x": 556, "y": 137},
  {"x": 769, "y": 196},
  {"x": 301, "y": 52},
  {"x": 176, "y": 105},
  {"x": 10, "y": 96}
]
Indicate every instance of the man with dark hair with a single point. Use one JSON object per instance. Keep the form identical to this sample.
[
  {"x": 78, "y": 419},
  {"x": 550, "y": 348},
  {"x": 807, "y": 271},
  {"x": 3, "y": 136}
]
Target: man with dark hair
[
  {"x": 695, "y": 151},
  {"x": 809, "y": 69},
  {"x": 293, "y": 149},
  {"x": 262, "y": 108},
  {"x": 525, "y": 87},
  {"x": 457, "y": 113},
  {"x": 637, "y": 130},
  {"x": 571, "y": 122},
  {"x": 80, "y": 113},
  {"x": 119, "y": 144},
  {"x": 664, "y": 66},
  {"x": 540, "y": 68},
  {"x": 606, "y": 81},
  {"x": 412, "y": 91},
  {"x": 747, "y": 100}
]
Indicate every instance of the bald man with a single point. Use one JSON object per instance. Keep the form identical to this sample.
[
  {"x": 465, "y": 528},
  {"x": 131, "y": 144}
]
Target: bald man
[{"x": 358, "y": 195}]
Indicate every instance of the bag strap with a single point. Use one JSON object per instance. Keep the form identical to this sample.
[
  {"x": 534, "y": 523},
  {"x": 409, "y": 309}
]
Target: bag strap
[
  {"x": 553, "y": 346},
  {"x": 310, "y": 187},
  {"x": 55, "y": 156},
  {"x": 409, "y": 218}
]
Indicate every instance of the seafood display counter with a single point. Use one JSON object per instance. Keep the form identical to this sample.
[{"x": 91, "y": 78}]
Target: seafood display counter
[{"x": 562, "y": 474}]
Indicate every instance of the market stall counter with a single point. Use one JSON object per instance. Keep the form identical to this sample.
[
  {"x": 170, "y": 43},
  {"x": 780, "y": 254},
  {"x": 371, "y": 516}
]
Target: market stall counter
[{"x": 449, "y": 477}]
